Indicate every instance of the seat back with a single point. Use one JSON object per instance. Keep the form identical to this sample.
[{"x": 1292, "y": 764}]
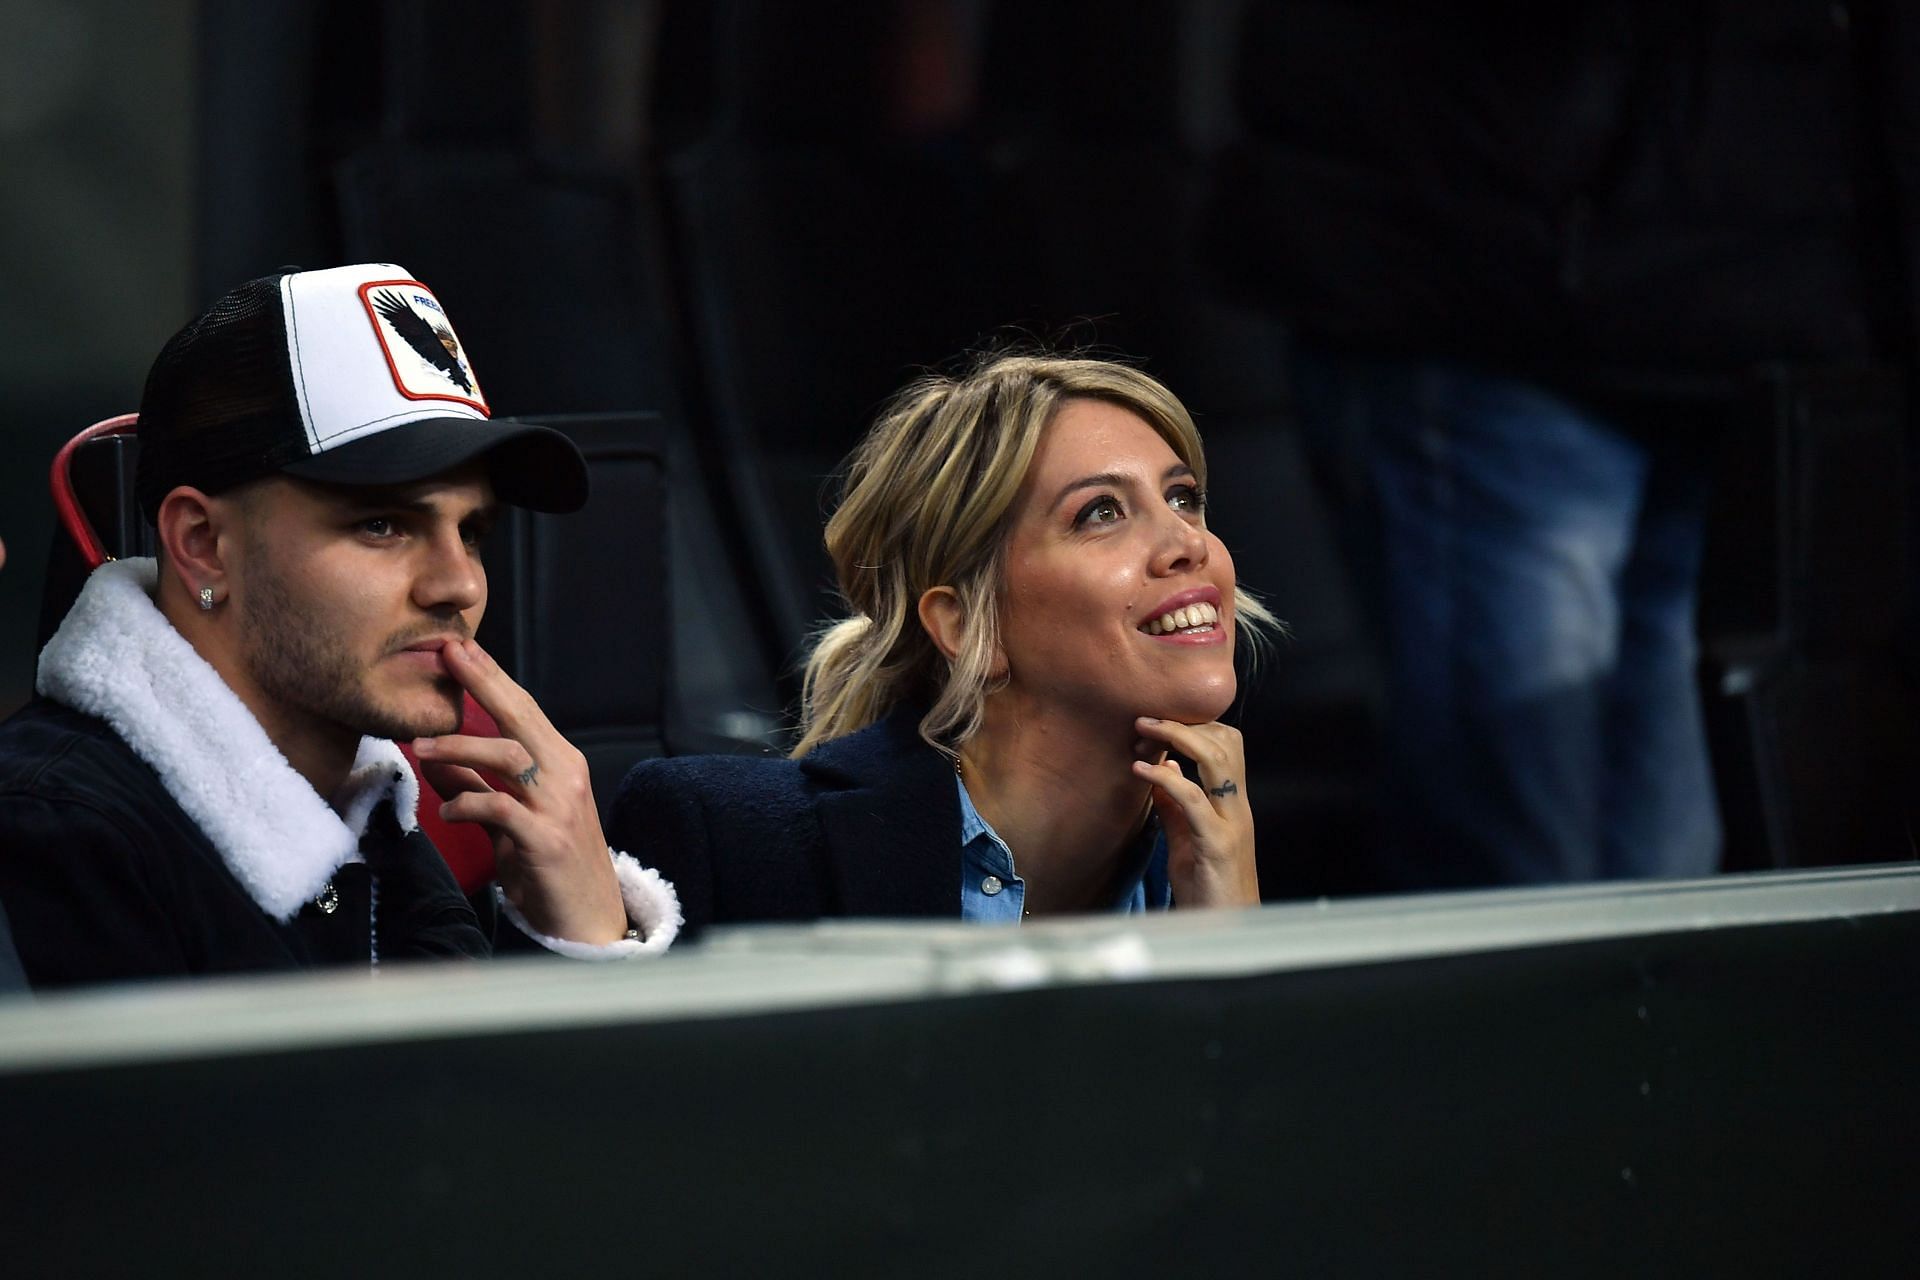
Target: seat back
[
  {"x": 92, "y": 483},
  {"x": 466, "y": 846},
  {"x": 580, "y": 609},
  {"x": 792, "y": 254}
]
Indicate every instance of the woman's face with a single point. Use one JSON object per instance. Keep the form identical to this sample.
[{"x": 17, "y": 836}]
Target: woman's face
[{"x": 1118, "y": 602}]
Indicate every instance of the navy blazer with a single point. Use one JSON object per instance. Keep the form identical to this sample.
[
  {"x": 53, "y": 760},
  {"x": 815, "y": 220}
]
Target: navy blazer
[{"x": 865, "y": 825}]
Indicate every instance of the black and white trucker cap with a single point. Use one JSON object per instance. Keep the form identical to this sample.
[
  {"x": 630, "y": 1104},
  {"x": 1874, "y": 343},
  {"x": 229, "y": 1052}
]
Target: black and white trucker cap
[{"x": 351, "y": 375}]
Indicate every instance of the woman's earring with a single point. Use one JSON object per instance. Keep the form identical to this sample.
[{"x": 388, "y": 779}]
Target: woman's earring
[{"x": 206, "y": 599}]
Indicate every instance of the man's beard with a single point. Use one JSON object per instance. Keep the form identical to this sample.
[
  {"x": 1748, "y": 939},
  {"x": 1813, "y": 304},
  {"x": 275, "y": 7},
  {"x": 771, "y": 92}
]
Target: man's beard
[{"x": 297, "y": 660}]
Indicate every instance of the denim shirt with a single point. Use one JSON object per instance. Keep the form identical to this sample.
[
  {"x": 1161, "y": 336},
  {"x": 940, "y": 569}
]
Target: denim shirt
[{"x": 991, "y": 892}]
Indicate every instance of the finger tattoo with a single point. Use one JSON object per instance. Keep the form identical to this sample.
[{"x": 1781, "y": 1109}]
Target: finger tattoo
[
  {"x": 1224, "y": 790},
  {"x": 526, "y": 777}
]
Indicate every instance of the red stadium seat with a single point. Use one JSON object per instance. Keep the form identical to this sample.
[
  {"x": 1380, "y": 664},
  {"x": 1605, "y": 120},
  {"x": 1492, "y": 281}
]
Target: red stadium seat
[{"x": 466, "y": 846}]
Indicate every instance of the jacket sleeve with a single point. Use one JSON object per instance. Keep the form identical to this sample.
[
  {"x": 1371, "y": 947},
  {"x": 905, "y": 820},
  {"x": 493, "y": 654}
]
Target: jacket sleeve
[
  {"x": 79, "y": 899},
  {"x": 659, "y": 819}
]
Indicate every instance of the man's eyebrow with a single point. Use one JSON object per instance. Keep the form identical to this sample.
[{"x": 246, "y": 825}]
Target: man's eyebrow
[
  {"x": 1114, "y": 480},
  {"x": 389, "y": 500},
  {"x": 412, "y": 503}
]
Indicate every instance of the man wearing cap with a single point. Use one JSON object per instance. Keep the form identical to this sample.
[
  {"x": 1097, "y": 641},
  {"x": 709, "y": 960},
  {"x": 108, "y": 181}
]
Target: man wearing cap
[{"x": 208, "y": 780}]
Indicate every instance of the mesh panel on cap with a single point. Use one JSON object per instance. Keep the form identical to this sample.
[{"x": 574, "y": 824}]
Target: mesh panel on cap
[{"x": 218, "y": 408}]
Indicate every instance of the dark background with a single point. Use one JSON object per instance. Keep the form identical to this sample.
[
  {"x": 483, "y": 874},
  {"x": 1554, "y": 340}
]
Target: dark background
[{"x": 756, "y": 219}]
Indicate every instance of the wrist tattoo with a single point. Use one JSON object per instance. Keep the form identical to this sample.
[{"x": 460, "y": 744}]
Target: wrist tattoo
[{"x": 1224, "y": 790}]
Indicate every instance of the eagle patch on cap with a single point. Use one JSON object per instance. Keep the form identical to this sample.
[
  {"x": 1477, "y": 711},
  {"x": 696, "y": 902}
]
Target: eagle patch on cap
[{"x": 426, "y": 357}]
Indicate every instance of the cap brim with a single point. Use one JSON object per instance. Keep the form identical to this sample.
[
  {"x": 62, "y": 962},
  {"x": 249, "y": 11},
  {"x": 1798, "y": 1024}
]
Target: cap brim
[{"x": 530, "y": 466}]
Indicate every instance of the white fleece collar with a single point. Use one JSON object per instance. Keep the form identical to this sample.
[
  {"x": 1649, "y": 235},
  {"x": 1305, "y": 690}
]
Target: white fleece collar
[{"x": 118, "y": 658}]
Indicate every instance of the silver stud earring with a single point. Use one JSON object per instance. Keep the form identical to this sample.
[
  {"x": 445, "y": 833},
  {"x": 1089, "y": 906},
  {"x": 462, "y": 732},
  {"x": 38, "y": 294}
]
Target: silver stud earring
[{"x": 206, "y": 599}]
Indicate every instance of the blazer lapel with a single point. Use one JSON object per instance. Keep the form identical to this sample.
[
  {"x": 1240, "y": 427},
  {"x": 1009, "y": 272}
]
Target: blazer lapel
[{"x": 892, "y": 821}]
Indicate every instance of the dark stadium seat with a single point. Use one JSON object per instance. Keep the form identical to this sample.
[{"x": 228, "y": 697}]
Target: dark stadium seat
[
  {"x": 581, "y": 605},
  {"x": 820, "y": 279},
  {"x": 1809, "y": 697}
]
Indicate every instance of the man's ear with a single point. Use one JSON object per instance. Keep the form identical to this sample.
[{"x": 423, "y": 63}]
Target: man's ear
[
  {"x": 189, "y": 528},
  {"x": 944, "y": 618}
]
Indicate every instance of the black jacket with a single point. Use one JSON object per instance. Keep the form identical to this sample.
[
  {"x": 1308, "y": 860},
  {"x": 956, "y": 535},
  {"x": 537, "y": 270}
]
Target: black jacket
[
  {"x": 149, "y": 828},
  {"x": 1640, "y": 194},
  {"x": 12, "y": 976},
  {"x": 865, "y": 825},
  {"x": 106, "y": 878}
]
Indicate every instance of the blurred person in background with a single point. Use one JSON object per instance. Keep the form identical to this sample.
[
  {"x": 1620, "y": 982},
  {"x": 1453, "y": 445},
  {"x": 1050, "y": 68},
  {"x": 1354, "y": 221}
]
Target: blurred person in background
[{"x": 1533, "y": 258}]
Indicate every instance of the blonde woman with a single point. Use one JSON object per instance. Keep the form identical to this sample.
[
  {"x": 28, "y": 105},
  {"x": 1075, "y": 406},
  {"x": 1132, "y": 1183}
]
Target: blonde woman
[{"x": 1039, "y": 613}]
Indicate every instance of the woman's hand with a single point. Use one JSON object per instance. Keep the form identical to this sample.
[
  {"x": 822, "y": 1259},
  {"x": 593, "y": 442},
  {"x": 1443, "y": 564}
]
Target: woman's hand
[
  {"x": 548, "y": 848},
  {"x": 1209, "y": 827}
]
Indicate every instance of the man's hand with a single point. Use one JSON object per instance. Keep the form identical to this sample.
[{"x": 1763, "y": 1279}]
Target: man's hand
[
  {"x": 1209, "y": 827},
  {"x": 530, "y": 789}
]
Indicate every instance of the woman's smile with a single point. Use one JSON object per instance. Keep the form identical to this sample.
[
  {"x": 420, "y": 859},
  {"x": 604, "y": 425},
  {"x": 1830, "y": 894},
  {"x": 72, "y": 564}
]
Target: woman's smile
[{"x": 1190, "y": 617}]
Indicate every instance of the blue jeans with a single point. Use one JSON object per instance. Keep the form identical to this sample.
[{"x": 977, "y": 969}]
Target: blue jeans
[{"x": 1531, "y": 569}]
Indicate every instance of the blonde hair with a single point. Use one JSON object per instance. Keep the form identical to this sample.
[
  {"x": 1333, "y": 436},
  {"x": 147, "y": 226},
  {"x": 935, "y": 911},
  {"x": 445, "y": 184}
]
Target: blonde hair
[{"x": 927, "y": 502}]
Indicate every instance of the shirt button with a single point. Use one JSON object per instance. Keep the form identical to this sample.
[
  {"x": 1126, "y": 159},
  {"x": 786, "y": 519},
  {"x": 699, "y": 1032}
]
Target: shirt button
[{"x": 991, "y": 885}]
